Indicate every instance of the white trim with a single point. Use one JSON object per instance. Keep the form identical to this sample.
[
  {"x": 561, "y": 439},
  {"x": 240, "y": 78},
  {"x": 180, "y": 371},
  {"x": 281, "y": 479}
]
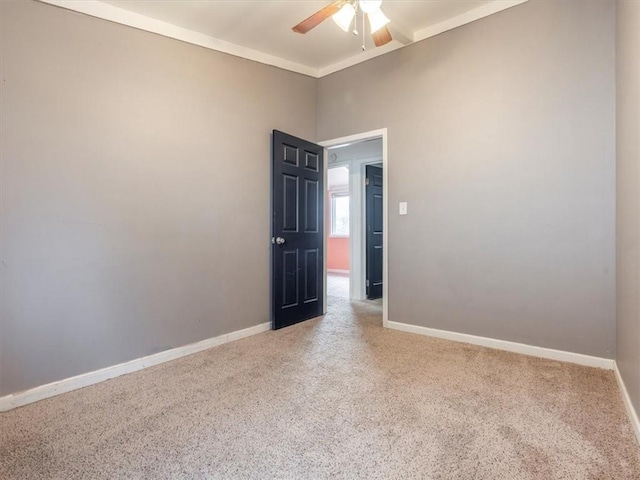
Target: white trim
[
  {"x": 357, "y": 227},
  {"x": 385, "y": 230},
  {"x": 631, "y": 411},
  {"x": 122, "y": 16},
  {"x": 359, "y": 58},
  {"x": 431, "y": 31},
  {"x": 549, "y": 353},
  {"x": 84, "y": 380},
  {"x": 357, "y": 224},
  {"x": 357, "y": 232},
  {"x": 466, "y": 17},
  {"x": 337, "y": 271},
  {"x": 380, "y": 133},
  {"x": 401, "y": 33},
  {"x": 327, "y": 228}
]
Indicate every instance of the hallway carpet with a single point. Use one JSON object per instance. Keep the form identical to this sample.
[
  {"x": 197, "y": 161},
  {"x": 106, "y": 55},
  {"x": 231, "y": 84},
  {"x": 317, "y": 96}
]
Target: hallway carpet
[{"x": 337, "y": 397}]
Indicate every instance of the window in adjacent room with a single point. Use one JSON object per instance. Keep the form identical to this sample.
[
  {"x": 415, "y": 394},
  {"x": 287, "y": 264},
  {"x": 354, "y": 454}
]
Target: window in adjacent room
[{"x": 339, "y": 215}]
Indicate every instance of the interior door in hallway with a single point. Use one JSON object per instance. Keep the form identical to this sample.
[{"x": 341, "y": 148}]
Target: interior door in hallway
[
  {"x": 297, "y": 250},
  {"x": 374, "y": 231}
]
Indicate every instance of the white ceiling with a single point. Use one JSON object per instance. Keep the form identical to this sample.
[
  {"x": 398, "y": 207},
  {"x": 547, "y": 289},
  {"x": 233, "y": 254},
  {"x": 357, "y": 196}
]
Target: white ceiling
[{"x": 261, "y": 29}]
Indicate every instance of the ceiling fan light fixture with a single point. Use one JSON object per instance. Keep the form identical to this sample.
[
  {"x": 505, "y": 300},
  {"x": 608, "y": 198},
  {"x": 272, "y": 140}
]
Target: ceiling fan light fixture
[
  {"x": 370, "y": 6},
  {"x": 344, "y": 16},
  {"x": 377, "y": 20}
]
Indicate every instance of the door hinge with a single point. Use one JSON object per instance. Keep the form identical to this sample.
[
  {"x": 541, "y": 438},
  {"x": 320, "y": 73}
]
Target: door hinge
[
  {"x": 367, "y": 283},
  {"x": 366, "y": 181}
]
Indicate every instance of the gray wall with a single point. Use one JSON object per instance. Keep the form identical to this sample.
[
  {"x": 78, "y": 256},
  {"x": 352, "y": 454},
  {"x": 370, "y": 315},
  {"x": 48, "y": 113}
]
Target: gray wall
[
  {"x": 135, "y": 191},
  {"x": 502, "y": 140},
  {"x": 123, "y": 154},
  {"x": 628, "y": 189}
]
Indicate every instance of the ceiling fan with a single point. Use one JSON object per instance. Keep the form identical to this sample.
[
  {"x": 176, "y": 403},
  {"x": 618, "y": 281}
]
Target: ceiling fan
[{"x": 344, "y": 11}]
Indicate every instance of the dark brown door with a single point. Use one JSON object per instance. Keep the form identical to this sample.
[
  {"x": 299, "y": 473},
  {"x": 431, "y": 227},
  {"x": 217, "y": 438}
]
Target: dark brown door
[{"x": 297, "y": 230}]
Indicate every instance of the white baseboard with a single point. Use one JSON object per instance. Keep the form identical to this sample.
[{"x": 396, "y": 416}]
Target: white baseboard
[
  {"x": 337, "y": 271},
  {"x": 522, "y": 348},
  {"x": 84, "y": 380},
  {"x": 631, "y": 411}
]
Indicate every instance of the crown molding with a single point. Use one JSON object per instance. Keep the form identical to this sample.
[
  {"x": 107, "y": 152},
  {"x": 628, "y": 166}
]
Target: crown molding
[
  {"x": 403, "y": 36},
  {"x": 466, "y": 17},
  {"x": 105, "y": 11},
  {"x": 411, "y": 37}
]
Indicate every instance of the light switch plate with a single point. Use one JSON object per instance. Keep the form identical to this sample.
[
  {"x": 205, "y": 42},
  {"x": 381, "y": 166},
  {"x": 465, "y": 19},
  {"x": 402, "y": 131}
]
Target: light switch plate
[{"x": 403, "y": 208}]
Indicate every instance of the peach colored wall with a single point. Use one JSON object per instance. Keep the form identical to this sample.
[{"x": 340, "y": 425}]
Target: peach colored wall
[
  {"x": 338, "y": 253},
  {"x": 337, "y": 247}
]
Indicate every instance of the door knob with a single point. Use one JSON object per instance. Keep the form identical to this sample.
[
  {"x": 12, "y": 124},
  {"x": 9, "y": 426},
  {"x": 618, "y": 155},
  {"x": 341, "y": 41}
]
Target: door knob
[{"x": 278, "y": 240}]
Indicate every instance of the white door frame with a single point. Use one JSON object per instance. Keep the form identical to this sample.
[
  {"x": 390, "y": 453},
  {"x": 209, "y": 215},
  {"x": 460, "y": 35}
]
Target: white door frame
[
  {"x": 381, "y": 133},
  {"x": 357, "y": 222}
]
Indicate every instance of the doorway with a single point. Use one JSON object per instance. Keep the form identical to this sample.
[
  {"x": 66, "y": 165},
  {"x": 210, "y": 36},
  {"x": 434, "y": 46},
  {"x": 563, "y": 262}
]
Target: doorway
[{"x": 346, "y": 271}]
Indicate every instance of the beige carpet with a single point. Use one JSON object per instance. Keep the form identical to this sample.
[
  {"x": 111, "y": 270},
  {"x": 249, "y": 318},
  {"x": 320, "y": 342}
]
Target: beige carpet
[{"x": 338, "y": 397}]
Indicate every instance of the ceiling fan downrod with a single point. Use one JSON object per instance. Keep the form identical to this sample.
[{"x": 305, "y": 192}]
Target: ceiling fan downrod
[
  {"x": 364, "y": 27},
  {"x": 355, "y": 24}
]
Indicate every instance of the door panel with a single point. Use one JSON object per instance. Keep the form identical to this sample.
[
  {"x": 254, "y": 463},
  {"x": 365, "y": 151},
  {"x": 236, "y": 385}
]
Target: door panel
[
  {"x": 297, "y": 230},
  {"x": 374, "y": 231},
  {"x": 290, "y": 203},
  {"x": 312, "y": 161},
  {"x": 289, "y": 270},
  {"x": 311, "y": 218},
  {"x": 311, "y": 270}
]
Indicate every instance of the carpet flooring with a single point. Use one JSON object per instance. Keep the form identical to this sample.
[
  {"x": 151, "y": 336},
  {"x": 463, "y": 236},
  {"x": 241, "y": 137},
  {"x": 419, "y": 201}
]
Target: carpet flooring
[{"x": 336, "y": 397}]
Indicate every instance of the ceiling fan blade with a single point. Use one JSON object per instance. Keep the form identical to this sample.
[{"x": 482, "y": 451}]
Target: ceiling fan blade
[
  {"x": 382, "y": 36},
  {"x": 319, "y": 17}
]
